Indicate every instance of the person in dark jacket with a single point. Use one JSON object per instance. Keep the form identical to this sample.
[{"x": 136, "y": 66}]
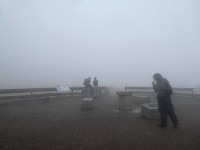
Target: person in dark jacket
[
  {"x": 95, "y": 82},
  {"x": 96, "y": 89},
  {"x": 88, "y": 90},
  {"x": 164, "y": 90}
]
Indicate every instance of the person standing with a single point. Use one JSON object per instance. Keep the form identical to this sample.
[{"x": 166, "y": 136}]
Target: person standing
[
  {"x": 88, "y": 90},
  {"x": 96, "y": 89},
  {"x": 85, "y": 82},
  {"x": 164, "y": 91},
  {"x": 95, "y": 82}
]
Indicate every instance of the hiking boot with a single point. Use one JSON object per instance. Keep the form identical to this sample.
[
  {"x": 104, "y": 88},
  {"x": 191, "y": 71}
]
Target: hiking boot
[{"x": 175, "y": 126}]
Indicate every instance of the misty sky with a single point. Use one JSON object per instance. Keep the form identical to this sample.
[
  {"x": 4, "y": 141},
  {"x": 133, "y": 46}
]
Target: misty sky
[{"x": 123, "y": 43}]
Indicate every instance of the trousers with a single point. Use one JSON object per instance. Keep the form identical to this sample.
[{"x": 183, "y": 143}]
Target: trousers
[{"x": 165, "y": 108}]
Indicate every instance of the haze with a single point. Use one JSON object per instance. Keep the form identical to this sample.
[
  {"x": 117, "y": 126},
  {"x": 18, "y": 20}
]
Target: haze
[{"x": 44, "y": 43}]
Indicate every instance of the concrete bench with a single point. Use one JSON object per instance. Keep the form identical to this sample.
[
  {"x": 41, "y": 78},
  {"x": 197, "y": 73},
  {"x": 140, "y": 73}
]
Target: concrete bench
[
  {"x": 87, "y": 103},
  {"x": 125, "y": 100},
  {"x": 150, "y": 111},
  {"x": 141, "y": 99}
]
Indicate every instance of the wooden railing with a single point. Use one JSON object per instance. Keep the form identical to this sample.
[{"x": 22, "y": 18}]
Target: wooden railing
[
  {"x": 31, "y": 93},
  {"x": 149, "y": 90}
]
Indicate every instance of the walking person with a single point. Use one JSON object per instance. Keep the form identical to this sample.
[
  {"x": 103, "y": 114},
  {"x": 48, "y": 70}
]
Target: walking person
[{"x": 164, "y": 91}]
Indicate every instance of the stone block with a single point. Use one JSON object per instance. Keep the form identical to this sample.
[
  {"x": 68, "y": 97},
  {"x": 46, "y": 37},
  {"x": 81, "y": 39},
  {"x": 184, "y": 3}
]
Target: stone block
[
  {"x": 125, "y": 100},
  {"x": 87, "y": 103},
  {"x": 150, "y": 111},
  {"x": 141, "y": 99}
]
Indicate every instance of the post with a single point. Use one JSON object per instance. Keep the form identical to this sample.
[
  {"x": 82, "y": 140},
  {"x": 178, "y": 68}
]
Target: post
[
  {"x": 125, "y": 100},
  {"x": 72, "y": 94},
  {"x": 192, "y": 93},
  {"x": 31, "y": 94}
]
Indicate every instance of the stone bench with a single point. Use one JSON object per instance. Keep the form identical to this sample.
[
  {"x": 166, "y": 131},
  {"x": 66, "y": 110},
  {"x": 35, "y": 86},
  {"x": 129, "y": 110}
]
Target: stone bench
[
  {"x": 150, "y": 111},
  {"x": 125, "y": 100},
  {"x": 140, "y": 99},
  {"x": 87, "y": 103}
]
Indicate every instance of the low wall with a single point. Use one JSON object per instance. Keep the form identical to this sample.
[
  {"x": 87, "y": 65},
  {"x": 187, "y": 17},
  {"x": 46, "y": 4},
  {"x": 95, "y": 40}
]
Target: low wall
[{"x": 31, "y": 93}]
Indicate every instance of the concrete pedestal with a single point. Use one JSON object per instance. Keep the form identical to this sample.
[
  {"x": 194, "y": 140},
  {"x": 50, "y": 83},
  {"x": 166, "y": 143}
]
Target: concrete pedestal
[
  {"x": 150, "y": 111},
  {"x": 87, "y": 104},
  {"x": 125, "y": 100}
]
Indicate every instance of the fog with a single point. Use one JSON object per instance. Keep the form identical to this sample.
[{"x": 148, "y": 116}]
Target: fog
[{"x": 44, "y": 43}]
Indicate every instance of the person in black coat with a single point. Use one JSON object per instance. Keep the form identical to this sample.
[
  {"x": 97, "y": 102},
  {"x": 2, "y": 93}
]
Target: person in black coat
[
  {"x": 88, "y": 90},
  {"x": 96, "y": 89},
  {"x": 95, "y": 82},
  {"x": 164, "y": 91}
]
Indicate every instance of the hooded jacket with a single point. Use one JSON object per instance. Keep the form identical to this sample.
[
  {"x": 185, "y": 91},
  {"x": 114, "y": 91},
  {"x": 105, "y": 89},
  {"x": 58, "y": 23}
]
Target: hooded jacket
[{"x": 163, "y": 88}]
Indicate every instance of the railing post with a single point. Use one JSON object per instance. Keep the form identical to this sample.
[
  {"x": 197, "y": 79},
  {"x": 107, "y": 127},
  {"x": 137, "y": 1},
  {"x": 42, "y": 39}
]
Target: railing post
[
  {"x": 31, "y": 93},
  {"x": 192, "y": 93},
  {"x": 56, "y": 94},
  {"x": 72, "y": 93}
]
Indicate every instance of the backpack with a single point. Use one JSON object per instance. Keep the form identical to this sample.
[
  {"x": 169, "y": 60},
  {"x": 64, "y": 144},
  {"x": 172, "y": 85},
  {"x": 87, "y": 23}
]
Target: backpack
[{"x": 169, "y": 90}]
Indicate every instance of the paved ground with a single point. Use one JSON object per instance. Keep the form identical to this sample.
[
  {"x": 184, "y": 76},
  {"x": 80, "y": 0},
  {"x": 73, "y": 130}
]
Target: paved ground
[{"x": 61, "y": 124}]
